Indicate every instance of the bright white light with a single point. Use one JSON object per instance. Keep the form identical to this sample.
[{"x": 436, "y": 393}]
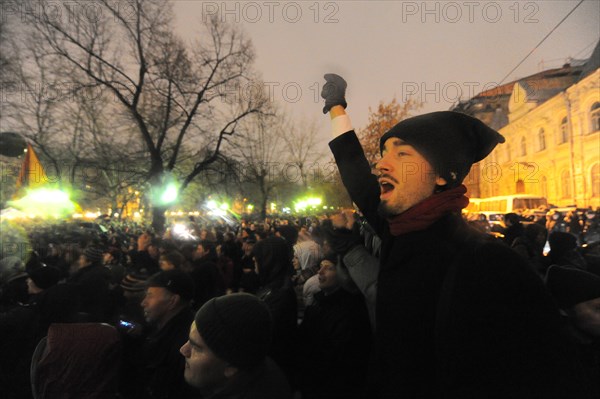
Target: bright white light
[
  {"x": 169, "y": 195},
  {"x": 212, "y": 205}
]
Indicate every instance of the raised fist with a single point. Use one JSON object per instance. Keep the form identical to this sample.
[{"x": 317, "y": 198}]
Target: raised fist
[{"x": 334, "y": 91}]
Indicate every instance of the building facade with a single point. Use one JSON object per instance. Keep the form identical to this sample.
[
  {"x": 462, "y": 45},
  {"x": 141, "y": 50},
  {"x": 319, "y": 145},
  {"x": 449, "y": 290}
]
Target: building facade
[{"x": 551, "y": 122}]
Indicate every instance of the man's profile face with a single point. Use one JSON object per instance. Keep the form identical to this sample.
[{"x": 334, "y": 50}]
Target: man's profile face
[
  {"x": 405, "y": 177},
  {"x": 156, "y": 303},
  {"x": 203, "y": 369}
]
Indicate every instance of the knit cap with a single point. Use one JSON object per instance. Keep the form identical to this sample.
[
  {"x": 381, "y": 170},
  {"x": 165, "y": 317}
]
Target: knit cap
[
  {"x": 134, "y": 282},
  {"x": 450, "y": 141},
  {"x": 93, "y": 254},
  {"x": 237, "y": 328},
  {"x": 571, "y": 286}
]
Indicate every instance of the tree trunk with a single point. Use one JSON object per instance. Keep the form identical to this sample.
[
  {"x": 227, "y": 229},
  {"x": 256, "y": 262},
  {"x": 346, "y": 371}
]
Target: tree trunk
[
  {"x": 159, "y": 219},
  {"x": 263, "y": 207}
]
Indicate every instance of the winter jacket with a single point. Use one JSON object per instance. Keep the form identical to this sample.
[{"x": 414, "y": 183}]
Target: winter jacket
[
  {"x": 331, "y": 326},
  {"x": 457, "y": 316}
]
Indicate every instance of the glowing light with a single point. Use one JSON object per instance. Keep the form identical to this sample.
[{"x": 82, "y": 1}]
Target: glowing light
[
  {"x": 169, "y": 195},
  {"x": 224, "y": 206},
  {"x": 181, "y": 231},
  {"x": 212, "y": 205},
  {"x": 250, "y": 207},
  {"x": 45, "y": 202}
]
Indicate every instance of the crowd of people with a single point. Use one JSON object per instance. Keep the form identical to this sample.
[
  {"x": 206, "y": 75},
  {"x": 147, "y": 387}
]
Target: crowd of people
[
  {"x": 149, "y": 287},
  {"x": 318, "y": 283},
  {"x": 405, "y": 299}
]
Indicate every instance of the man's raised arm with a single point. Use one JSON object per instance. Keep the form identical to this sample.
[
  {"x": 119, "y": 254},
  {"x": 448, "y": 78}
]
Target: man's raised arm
[{"x": 348, "y": 153}]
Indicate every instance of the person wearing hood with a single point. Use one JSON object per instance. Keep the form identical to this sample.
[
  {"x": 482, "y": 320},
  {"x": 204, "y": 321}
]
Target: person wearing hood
[
  {"x": 457, "y": 314},
  {"x": 274, "y": 268}
]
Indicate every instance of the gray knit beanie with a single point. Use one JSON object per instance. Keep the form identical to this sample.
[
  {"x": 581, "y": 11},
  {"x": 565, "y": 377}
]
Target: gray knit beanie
[{"x": 237, "y": 328}]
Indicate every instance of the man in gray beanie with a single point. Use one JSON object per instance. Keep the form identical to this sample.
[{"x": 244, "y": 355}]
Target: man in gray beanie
[
  {"x": 457, "y": 315},
  {"x": 225, "y": 355}
]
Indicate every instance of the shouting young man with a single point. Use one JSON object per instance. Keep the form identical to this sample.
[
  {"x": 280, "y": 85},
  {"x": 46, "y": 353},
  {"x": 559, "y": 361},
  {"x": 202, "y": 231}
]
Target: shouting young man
[{"x": 457, "y": 315}]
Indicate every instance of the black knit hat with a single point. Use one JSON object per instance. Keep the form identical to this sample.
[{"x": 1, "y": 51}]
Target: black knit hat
[
  {"x": 450, "y": 141},
  {"x": 175, "y": 281},
  {"x": 237, "y": 328},
  {"x": 571, "y": 286},
  {"x": 45, "y": 277},
  {"x": 93, "y": 254}
]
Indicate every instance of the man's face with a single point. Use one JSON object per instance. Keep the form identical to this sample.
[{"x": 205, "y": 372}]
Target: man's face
[
  {"x": 157, "y": 303},
  {"x": 587, "y": 317},
  {"x": 203, "y": 369},
  {"x": 328, "y": 280},
  {"x": 153, "y": 251},
  {"x": 83, "y": 261},
  {"x": 405, "y": 177},
  {"x": 200, "y": 252},
  {"x": 165, "y": 264}
]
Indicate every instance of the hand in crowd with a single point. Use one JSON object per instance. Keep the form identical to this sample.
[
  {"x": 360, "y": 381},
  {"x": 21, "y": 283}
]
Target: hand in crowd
[
  {"x": 344, "y": 232},
  {"x": 144, "y": 241}
]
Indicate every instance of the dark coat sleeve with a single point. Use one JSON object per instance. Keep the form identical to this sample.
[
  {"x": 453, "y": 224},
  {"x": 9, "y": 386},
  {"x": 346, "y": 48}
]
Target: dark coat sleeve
[
  {"x": 357, "y": 177},
  {"x": 499, "y": 334}
]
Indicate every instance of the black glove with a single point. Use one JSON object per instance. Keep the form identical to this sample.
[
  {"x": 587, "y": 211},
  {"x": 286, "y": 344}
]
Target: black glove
[
  {"x": 341, "y": 240},
  {"x": 334, "y": 91}
]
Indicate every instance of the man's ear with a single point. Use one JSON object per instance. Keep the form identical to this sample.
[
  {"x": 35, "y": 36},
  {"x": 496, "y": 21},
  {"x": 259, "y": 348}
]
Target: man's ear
[
  {"x": 230, "y": 371},
  {"x": 174, "y": 300}
]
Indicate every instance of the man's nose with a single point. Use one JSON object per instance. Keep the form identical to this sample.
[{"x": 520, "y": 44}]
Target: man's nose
[{"x": 383, "y": 165}]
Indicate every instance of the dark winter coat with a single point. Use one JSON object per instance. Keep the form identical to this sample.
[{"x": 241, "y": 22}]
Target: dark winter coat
[
  {"x": 276, "y": 290},
  {"x": 458, "y": 316},
  {"x": 334, "y": 340},
  {"x": 208, "y": 281},
  {"x": 91, "y": 284},
  {"x": 154, "y": 366},
  {"x": 264, "y": 382}
]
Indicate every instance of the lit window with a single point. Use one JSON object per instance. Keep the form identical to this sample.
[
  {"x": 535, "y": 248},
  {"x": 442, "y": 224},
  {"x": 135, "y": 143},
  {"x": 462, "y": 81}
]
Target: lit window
[
  {"x": 595, "y": 116},
  {"x": 564, "y": 131},
  {"x": 541, "y": 140}
]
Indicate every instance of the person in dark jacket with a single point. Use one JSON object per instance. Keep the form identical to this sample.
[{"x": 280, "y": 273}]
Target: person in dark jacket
[
  {"x": 578, "y": 294},
  {"x": 531, "y": 246},
  {"x": 514, "y": 228},
  {"x": 563, "y": 251},
  {"x": 154, "y": 368},
  {"x": 226, "y": 352},
  {"x": 458, "y": 316},
  {"x": 91, "y": 282},
  {"x": 336, "y": 322},
  {"x": 206, "y": 275},
  {"x": 274, "y": 267}
]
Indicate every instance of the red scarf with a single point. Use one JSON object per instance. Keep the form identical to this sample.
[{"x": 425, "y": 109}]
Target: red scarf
[{"x": 426, "y": 212}]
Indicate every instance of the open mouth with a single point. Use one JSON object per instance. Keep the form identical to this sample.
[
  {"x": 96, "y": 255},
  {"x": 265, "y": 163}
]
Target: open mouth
[{"x": 386, "y": 188}]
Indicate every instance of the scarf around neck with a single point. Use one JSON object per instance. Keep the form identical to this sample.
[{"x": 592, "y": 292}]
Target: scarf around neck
[{"x": 426, "y": 212}]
